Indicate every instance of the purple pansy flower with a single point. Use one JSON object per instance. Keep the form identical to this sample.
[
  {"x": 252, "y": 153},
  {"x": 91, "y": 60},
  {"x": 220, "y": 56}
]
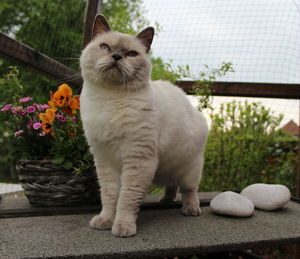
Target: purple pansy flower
[
  {"x": 25, "y": 99},
  {"x": 61, "y": 117},
  {"x": 6, "y": 107},
  {"x": 37, "y": 125}
]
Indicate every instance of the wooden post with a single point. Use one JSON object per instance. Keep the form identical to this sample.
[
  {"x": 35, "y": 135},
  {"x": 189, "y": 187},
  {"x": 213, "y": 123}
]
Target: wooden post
[
  {"x": 297, "y": 247},
  {"x": 93, "y": 7},
  {"x": 298, "y": 167}
]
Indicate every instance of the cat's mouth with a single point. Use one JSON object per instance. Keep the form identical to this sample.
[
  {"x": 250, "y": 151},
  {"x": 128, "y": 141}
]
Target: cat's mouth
[
  {"x": 117, "y": 72},
  {"x": 113, "y": 66}
]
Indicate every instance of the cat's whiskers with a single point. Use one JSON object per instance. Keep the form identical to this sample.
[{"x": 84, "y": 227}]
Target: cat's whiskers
[
  {"x": 129, "y": 76},
  {"x": 70, "y": 78}
]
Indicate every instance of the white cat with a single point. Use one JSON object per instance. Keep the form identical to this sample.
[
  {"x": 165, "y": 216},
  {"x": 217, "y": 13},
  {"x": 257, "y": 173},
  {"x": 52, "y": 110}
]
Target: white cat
[{"x": 139, "y": 131}]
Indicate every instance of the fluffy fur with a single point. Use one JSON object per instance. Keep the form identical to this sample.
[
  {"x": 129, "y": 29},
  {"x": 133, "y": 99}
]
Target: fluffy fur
[{"x": 139, "y": 131}]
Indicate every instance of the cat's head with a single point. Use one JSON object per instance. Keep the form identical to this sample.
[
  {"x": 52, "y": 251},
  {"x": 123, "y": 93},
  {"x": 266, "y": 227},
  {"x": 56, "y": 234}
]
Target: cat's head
[{"x": 116, "y": 58}]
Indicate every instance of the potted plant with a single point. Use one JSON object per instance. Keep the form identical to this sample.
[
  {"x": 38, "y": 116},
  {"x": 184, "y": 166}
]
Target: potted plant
[{"x": 56, "y": 168}]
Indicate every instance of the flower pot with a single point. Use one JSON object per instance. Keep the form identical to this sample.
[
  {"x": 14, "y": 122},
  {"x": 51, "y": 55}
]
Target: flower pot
[{"x": 49, "y": 185}]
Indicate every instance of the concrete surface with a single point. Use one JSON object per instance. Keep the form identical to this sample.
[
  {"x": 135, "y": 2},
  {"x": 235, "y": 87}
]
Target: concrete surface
[
  {"x": 6, "y": 188},
  {"x": 160, "y": 233}
]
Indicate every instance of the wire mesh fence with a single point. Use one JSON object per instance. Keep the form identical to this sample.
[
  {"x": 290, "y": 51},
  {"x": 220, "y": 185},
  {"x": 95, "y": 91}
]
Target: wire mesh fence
[
  {"x": 261, "y": 40},
  {"x": 260, "y": 37},
  {"x": 54, "y": 28}
]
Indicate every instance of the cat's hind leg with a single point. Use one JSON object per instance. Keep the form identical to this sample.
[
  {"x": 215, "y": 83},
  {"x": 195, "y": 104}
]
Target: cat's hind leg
[
  {"x": 190, "y": 201},
  {"x": 188, "y": 185},
  {"x": 170, "y": 193}
]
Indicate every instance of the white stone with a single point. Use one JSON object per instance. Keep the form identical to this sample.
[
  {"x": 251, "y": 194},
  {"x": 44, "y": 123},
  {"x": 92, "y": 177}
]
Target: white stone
[
  {"x": 267, "y": 196},
  {"x": 232, "y": 204}
]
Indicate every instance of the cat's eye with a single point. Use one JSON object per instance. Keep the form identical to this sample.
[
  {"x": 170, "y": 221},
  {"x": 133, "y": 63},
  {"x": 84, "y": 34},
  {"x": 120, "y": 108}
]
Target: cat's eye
[
  {"x": 132, "y": 53},
  {"x": 104, "y": 46}
]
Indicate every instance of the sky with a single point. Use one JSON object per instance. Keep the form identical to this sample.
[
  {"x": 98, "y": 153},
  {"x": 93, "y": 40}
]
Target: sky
[{"x": 260, "y": 37}]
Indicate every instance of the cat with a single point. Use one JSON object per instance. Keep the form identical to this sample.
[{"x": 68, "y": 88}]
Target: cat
[{"x": 140, "y": 132}]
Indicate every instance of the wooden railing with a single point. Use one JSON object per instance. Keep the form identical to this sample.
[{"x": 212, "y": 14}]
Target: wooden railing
[{"x": 23, "y": 54}]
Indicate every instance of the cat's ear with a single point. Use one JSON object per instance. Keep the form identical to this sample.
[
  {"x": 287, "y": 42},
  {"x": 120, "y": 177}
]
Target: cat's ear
[
  {"x": 100, "y": 25},
  {"x": 146, "y": 37}
]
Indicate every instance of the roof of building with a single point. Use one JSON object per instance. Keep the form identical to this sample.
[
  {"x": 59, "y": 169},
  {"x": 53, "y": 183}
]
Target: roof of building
[{"x": 292, "y": 128}]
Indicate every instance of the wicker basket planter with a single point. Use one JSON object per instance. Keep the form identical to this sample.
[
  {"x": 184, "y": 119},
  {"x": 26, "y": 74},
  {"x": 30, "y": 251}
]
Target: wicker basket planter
[{"x": 46, "y": 184}]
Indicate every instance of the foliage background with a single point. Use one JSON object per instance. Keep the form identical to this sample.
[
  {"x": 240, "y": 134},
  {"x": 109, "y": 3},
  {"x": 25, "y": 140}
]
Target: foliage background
[{"x": 246, "y": 146}]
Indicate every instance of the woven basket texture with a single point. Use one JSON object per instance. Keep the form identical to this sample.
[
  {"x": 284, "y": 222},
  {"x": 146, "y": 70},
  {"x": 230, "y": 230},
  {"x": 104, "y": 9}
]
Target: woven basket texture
[{"x": 49, "y": 185}]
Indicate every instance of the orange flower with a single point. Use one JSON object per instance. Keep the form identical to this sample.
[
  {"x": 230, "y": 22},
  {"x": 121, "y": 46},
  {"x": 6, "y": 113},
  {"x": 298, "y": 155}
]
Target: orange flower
[
  {"x": 47, "y": 119},
  {"x": 62, "y": 96},
  {"x": 52, "y": 105},
  {"x": 75, "y": 104},
  {"x": 72, "y": 107}
]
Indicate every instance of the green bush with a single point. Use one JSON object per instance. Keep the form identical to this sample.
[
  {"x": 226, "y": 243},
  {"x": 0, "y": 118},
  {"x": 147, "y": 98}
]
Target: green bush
[
  {"x": 11, "y": 90},
  {"x": 245, "y": 147},
  {"x": 282, "y": 161}
]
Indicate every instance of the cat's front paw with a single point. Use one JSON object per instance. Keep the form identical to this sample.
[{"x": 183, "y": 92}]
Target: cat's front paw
[
  {"x": 191, "y": 210},
  {"x": 124, "y": 229},
  {"x": 99, "y": 222}
]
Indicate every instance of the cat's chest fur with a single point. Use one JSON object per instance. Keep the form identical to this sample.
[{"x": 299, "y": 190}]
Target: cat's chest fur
[{"x": 108, "y": 117}]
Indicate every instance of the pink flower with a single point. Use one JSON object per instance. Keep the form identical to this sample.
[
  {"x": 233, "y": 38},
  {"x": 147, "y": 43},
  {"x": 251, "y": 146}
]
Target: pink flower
[
  {"x": 30, "y": 109},
  {"x": 37, "y": 125},
  {"x": 45, "y": 106},
  {"x": 25, "y": 99},
  {"x": 41, "y": 107},
  {"x": 37, "y": 106},
  {"x": 29, "y": 124},
  {"x": 43, "y": 133},
  {"x": 14, "y": 110},
  {"x": 61, "y": 117},
  {"x": 22, "y": 112},
  {"x": 6, "y": 107},
  {"x": 19, "y": 133}
]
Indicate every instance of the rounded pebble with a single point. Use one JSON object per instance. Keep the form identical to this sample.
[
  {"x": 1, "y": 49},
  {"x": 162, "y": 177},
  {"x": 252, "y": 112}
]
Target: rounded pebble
[
  {"x": 232, "y": 204},
  {"x": 267, "y": 196}
]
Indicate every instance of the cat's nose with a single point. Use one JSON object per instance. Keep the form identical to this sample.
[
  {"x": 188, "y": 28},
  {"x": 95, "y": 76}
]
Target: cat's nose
[{"x": 117, "y": 57}]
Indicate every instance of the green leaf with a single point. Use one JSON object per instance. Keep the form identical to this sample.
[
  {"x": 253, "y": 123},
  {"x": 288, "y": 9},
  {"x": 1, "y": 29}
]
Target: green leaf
[
  {"x": 67, "y": 165},
  {"x": 58, "y": 159}
]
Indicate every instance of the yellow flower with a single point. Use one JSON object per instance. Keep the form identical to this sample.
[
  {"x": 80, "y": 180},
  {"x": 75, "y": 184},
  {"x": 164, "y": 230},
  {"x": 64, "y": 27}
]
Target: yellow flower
[
  {"x": 52, "y": 105},
  {"x": 47, "y": 119},
  {"x": 75, "y": 104}
]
